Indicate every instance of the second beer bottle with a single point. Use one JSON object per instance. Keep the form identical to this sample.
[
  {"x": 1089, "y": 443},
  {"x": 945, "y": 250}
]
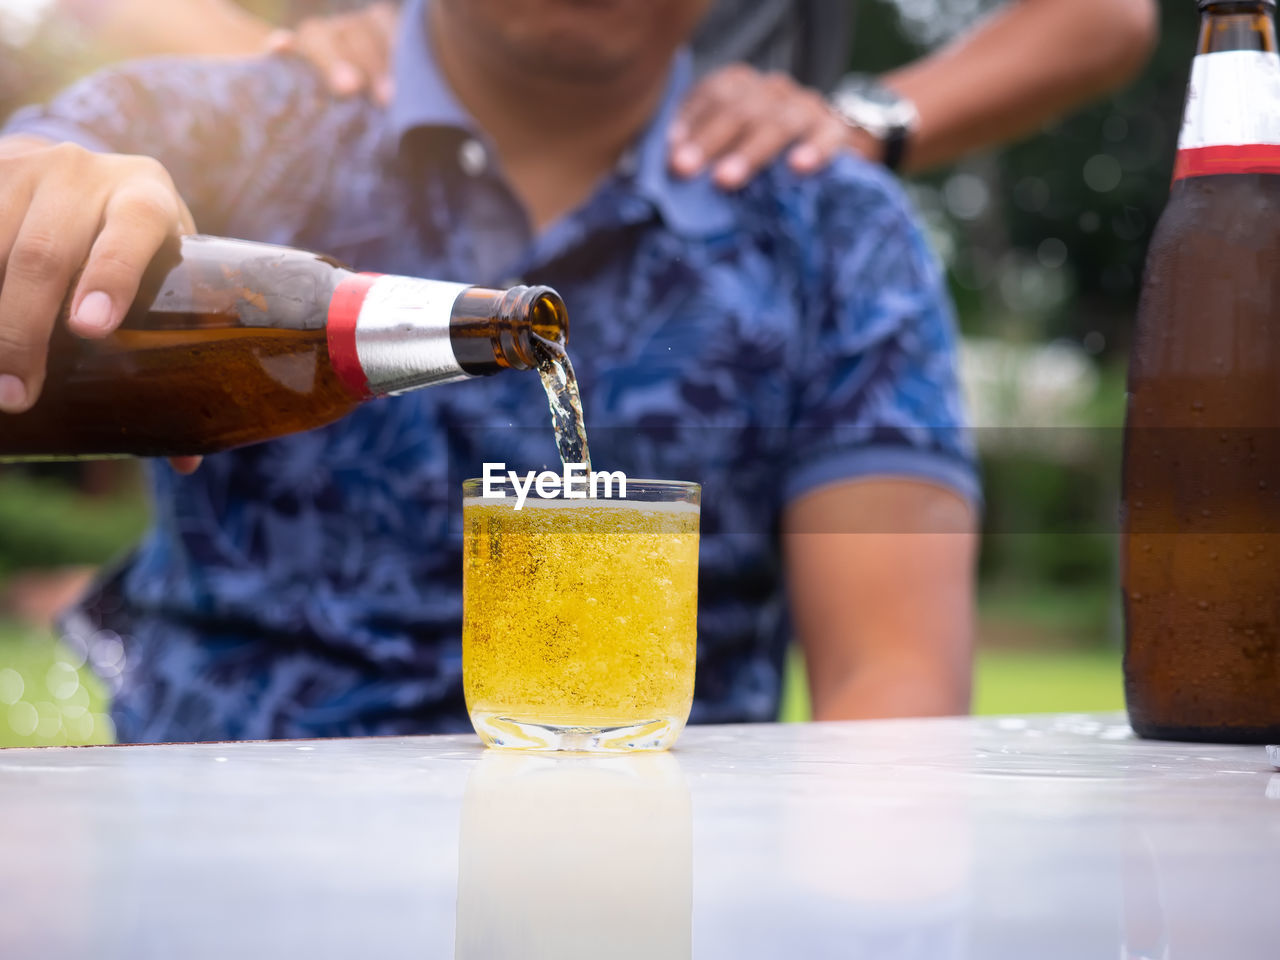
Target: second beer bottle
[
  {"x": 230, "y": 343},
  {"x": 1201, "y": 555}
]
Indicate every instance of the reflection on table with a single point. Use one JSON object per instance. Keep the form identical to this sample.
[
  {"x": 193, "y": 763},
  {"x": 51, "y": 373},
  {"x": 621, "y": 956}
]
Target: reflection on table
[{"x": 561, "y": 857}]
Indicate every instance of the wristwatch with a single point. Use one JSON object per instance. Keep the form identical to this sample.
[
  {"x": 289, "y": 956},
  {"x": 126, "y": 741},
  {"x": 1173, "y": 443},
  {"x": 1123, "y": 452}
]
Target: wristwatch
[{"x": 866, "y": 103}]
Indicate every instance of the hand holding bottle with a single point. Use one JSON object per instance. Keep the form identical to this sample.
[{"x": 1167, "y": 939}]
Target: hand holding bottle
[
  {"x": 229, "y": 342},
  {"x": 63, "y": 207}
]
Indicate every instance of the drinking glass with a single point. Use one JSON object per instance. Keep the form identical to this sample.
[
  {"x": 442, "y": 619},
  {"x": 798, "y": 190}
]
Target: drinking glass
[{"x": 579, "y": 627}]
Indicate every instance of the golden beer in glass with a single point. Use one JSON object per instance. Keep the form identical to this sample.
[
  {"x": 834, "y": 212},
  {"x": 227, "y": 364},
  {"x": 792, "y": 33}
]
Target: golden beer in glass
[{"x": 579, "y": 627}]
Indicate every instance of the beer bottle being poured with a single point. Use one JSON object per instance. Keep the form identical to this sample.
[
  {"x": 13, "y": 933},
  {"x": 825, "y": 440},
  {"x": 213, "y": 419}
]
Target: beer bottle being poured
[
  {"x": 230, "y": 343},
  {"x": 1201, "y": 488}
]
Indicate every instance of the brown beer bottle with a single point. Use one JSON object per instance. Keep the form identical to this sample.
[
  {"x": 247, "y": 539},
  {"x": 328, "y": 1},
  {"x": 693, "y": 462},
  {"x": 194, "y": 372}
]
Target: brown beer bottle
[
  {"x": 1201, "y": 488},
  {"x": 230, "y": 343}
]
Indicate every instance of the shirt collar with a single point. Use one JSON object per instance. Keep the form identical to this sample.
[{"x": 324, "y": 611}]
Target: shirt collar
[
  {"x": 422, "y": 98},
  {"x": 695, "y": 206}
]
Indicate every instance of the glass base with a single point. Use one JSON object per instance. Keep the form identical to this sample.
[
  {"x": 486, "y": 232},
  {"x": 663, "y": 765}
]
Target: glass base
[{"x": 513, "y": 733}]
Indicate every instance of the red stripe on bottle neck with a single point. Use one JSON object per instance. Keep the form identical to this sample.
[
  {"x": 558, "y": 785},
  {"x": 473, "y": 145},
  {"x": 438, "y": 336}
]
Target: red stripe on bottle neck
[
  {"x": 1230, "y": 158},
  {"x": 344, "y": 311}
]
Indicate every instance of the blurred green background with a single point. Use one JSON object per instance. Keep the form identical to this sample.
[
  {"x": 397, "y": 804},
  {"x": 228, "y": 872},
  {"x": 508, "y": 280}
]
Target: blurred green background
[{"x": 1044, "y": 244}]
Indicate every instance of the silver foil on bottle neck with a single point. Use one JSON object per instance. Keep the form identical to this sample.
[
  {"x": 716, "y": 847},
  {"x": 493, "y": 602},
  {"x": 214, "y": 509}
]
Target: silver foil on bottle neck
[{"x": 402, "y": 334}]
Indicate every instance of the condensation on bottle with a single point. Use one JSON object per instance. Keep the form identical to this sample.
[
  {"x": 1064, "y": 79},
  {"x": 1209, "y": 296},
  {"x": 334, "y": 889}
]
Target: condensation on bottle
[{"x": 1201, "y": 486}]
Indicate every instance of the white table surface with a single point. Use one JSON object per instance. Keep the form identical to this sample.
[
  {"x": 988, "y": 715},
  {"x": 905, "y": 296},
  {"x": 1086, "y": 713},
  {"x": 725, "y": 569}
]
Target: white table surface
[{"x": 1015, "y": 838}]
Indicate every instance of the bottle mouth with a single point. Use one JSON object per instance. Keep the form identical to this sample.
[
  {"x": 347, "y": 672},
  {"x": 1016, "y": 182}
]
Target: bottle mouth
[{"x": 548, "y": 320}]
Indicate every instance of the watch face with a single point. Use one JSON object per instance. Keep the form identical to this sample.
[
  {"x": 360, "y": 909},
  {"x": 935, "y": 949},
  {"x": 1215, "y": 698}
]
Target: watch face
[
  {"x": 874, "y": 107},
  {"x": 873, "y": 93}
]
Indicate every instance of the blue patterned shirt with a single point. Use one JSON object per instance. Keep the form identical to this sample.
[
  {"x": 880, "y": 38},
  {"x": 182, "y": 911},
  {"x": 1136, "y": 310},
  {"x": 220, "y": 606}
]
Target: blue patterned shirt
[{"x": 763, "y": 343}]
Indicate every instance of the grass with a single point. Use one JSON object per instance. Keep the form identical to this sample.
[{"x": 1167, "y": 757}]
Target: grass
[
  {"x": 1014, "y": 681},
  {"x": 47, "y": 696},
  {"x": 1026, "y": 681}
]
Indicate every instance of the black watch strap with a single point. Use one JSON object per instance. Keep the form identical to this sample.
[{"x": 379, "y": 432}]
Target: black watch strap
[{"x": 895, "y": 148}]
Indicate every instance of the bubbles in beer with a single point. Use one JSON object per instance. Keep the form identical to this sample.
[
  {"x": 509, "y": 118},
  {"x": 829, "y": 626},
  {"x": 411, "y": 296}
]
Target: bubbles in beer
[{"x": 579, "y": 612}]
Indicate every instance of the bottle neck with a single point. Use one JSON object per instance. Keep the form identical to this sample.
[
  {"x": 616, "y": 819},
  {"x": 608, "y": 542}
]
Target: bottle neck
[
  {"x": 1236, "y": 25},
  {"x": 494, "y": 329},
  {"x": 390, "y": 334},
  {"x": 1232, "y": 120}
]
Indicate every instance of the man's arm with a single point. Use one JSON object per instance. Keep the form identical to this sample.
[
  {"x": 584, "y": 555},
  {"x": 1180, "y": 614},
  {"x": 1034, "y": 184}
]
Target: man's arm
[
  {"x": 879, "y": 490},
  {"x": 881, "y": 576},
  {"x": 1026, "y": 65},
  {"x": 1022, "y": 67}
]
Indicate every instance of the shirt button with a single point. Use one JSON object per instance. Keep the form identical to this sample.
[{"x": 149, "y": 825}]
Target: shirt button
[
  {"x": 628, "y": 163},
  {"x": 472, "y": 157}
]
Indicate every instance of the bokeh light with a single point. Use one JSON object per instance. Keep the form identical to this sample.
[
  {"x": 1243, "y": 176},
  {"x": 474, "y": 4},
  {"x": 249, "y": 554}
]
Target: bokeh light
[{"x": 48, "y": 697}]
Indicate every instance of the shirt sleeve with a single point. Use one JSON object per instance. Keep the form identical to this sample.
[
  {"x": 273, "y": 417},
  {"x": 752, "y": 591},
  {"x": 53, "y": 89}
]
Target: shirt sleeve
[{"x": 878, "y": 393}]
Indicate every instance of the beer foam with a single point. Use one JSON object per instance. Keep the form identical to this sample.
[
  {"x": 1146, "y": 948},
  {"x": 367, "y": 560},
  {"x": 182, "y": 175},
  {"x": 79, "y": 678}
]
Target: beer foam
[{"x": 579, "y": 503}]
